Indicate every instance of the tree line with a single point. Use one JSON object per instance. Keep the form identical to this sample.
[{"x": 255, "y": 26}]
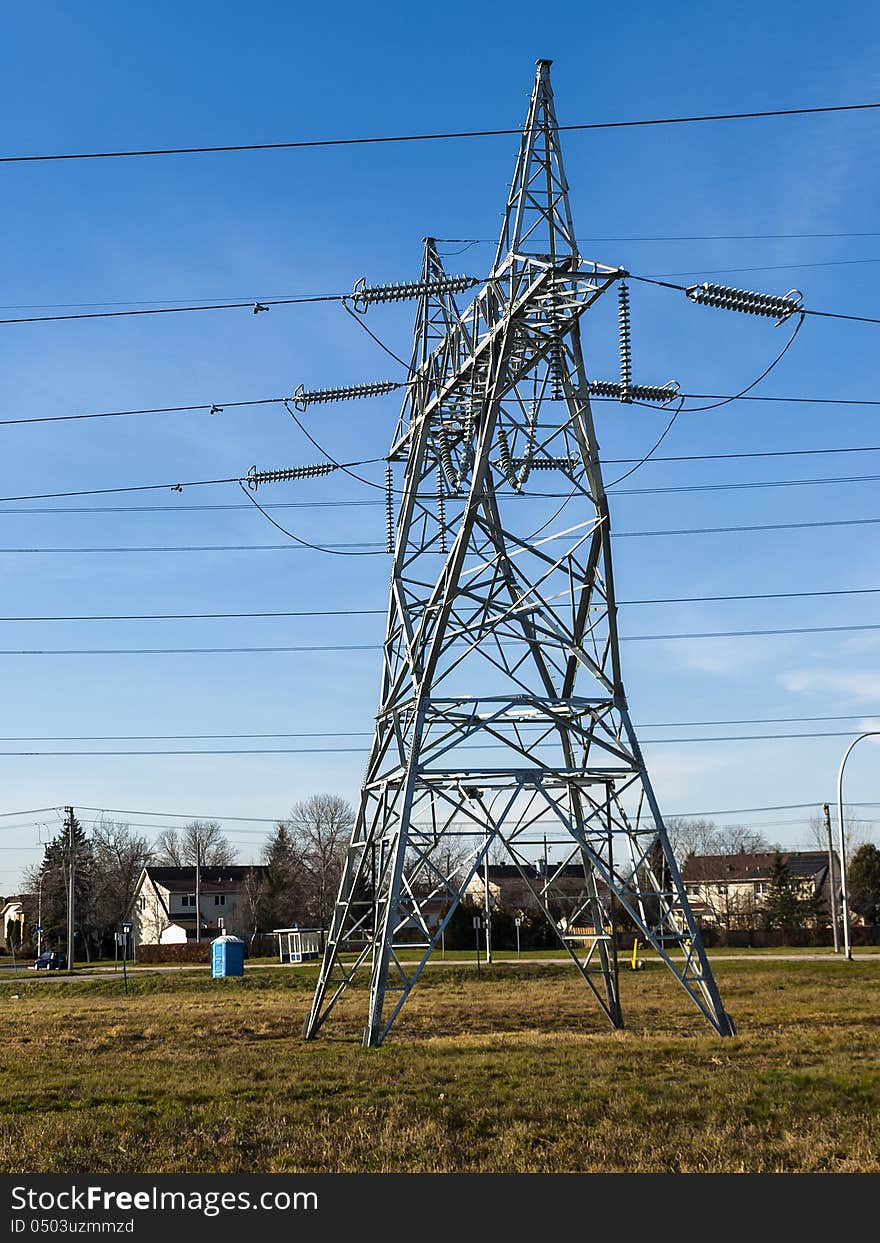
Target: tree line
[
  {"x": 302, "y": 861},
  {"x": 301, "y": 866}
]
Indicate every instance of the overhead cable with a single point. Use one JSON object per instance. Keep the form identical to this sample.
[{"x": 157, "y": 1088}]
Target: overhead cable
[{"x": 302, "y": 144}]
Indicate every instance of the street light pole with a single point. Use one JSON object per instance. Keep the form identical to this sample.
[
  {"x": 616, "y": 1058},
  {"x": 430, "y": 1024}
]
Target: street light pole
[{"x": 841, "y": 842}]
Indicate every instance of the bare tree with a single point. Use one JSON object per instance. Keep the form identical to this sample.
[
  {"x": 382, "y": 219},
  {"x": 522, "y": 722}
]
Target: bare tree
[
  {"x": 854, "y": 833},
  {"x": 200, "y": 841},
  {"x": 120, "y": 856},
  {"x": 739, "y": 839},
  {"x": 705, "y": 837},
  {"x": 320, "y": 827},
  {"x": 255, "y": 894},
  {"x": 690, "y": 837}
]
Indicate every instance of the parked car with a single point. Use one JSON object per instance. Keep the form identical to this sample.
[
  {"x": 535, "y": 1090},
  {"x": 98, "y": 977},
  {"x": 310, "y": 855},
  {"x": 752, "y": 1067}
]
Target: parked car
[{"x": 50, "y": 960}]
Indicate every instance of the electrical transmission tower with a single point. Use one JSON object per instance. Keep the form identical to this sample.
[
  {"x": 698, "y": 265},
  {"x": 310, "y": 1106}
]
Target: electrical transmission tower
[{"x": 502, "y": 704}]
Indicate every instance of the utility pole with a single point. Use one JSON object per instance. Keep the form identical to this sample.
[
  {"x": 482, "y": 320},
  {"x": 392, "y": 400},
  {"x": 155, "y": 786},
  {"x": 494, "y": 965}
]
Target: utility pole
[
  {"x": 198, "y": 890},
  {"x": 71, "y": 873},
  {"x": 832, "y": 882}
]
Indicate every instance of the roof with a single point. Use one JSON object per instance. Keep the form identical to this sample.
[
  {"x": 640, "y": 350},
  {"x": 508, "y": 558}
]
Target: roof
[
  {"x": 509, "y": 871},
  {"x": 759, "y": 866},
  {"x": 230, "y": 879}
]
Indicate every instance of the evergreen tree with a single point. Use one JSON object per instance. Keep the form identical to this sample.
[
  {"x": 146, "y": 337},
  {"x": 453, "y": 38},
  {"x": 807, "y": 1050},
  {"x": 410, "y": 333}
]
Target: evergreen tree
[
  {"x": 54, "y": 870},
  {"x": 784, "y": 906},
  {"x": 282, "y": 899},
  {"x": 863, "y": 875}
]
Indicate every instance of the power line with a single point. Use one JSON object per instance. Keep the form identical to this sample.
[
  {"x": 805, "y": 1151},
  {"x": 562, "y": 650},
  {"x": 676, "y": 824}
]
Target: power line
[
  {"x": 211, "y": 407},
  {"x": 188, "y": 815},
  {"x": 251, "y": 737},
  {"x": 769, "y": 267},
  {"x": 743, "y": 485},
  {"x": 114, "y": 617},
  {"x": 744, "y": 811},
  {"x": 687, "y": 457},
  {"x": 801, "y": 310},
  {"x": 691, "y": 237},
  {"x": 254, "y": 649},
  {"x": 362, "y": 750},
  {"x": 172, "y": 815},
  {"x": 437, "y": 136},
  {"x": 274, "y": 300},
  {"x": 173, "y": 310},
  {"x": 379, "y": 548},
  {"x": 290, "y": 613},
  {"x": 220, "y": 406},
  {"x": 154, "y": 487},
  {"x": 766, "y": 526},
  {"x": 347, "y": 504}
]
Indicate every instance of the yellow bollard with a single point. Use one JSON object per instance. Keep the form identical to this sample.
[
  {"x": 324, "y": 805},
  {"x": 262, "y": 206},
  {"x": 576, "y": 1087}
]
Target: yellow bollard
[{"x": 635, "y": 957}]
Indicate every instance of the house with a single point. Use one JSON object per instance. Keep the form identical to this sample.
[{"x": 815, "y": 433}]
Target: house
[
  {"x": 164, "y": 906},
  {"x": 14, "y": 911},
  {"x": 512, "y": 891},
  {"x": 730, "y": 890}
]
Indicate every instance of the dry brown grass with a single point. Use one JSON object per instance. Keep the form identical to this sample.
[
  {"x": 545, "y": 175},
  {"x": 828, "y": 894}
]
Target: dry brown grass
[{"x": 514, "y": 1072}]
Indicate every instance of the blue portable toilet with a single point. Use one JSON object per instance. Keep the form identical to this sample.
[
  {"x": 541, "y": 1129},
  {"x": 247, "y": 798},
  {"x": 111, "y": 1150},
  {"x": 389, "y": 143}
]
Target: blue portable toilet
[{"x": 227, "y": 956}]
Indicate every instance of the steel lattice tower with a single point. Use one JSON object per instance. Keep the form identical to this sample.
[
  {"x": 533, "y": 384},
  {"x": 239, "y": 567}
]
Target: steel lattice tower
[{"x": 502, "y": 705}]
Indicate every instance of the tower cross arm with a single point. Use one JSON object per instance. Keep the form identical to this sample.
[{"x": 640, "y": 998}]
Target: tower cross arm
[{"x": 530, "y": 294}]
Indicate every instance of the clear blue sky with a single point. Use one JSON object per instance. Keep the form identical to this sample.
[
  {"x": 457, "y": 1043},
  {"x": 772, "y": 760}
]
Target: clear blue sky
[{"x": 250, "y": 225}]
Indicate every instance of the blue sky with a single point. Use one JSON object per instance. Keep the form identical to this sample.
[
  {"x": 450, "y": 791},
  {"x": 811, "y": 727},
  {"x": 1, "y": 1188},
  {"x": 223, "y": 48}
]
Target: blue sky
[{"x": 252, "y": 225}]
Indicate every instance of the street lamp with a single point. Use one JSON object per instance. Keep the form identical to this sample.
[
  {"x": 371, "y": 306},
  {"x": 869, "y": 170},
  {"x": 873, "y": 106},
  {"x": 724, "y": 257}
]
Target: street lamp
[{"x": 844, "y": 895}]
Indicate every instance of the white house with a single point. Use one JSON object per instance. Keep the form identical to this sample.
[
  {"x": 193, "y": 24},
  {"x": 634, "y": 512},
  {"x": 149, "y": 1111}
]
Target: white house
[
  {"x": 13, "y": 912},
  {"x": 164, "y": 907}
]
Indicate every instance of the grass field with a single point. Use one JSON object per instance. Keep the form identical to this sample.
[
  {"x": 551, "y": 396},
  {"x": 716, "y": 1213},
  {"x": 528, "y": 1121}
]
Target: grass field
[{"x": 516, "y": 1071}]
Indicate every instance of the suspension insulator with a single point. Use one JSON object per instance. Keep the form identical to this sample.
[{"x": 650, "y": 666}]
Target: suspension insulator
[
  {"x": 663, "y": 393},
  {"x": 389, "y": 509},
  {"x": 549, "y": 463},
  {"x": 441, "y": 511},
  {"x": 774, "y": 306},
  {"x": 624, "y": 339},
  {"x": 445, "y": 457},
  {"x": 364, "y": 295},
  {"x": 531, "y": 428},
  {"x": 256, "y": 477},
  {"x": 505, "y": 460},
  {"x": 302, "y": 399},
  {"x": 557, "y": 364}
]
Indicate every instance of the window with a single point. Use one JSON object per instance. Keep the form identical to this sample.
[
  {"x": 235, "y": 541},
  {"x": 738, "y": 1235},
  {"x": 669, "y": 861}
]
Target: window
[
  {"x": 219, "y": 899},
  {"x": 142, "y": 903},
  {"x": 722, "y": 888},
  {"x": 188, "y": 899},
  {"x": 760, "y": 888}
]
